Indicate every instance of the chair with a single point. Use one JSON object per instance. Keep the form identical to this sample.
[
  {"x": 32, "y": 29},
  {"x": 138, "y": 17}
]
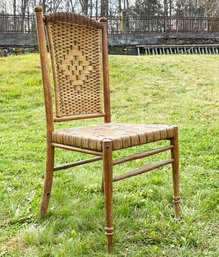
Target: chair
[{"x": 79, "y": 55}]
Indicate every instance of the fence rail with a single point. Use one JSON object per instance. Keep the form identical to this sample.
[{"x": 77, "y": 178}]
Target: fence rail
[
  {"x": 124, "y": 24},
  {"x": 17, "y": 23},
  {"x": 172, "y": 24}
]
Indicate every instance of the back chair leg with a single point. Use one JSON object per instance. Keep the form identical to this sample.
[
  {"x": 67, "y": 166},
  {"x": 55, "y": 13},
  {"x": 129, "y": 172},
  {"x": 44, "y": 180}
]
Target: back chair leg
[
  {"x": 48, "y": 179},
  {"x": 175, "y": 169},
  {"x": 102, "y": 183},
  {"x": 108, "y": 189}
]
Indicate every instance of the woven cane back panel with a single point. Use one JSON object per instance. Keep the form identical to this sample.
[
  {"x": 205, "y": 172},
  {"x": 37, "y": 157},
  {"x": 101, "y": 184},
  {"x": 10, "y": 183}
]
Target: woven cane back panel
[{"x": 75, "y": 53}]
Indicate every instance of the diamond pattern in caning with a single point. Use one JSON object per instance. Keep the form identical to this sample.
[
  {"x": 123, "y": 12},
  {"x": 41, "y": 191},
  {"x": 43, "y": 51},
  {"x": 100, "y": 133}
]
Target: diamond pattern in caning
[
  {"x": 75, "y": 51},
  {"x": 75, "y": 69}
]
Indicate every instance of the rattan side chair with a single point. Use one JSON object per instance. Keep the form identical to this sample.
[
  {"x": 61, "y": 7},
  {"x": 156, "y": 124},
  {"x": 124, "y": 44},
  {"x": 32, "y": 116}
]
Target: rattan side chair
[{"x": 79, "y": 55}]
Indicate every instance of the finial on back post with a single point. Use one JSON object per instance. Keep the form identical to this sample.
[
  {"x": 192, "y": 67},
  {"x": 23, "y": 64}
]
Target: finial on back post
[
  {"x": 38, "y": 8},
  {"x": 103, "y": 19}
]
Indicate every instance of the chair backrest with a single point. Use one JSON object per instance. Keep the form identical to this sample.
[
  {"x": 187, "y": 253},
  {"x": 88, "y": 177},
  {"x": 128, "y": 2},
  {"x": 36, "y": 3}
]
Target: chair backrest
[{"x": 78, "y": 49}]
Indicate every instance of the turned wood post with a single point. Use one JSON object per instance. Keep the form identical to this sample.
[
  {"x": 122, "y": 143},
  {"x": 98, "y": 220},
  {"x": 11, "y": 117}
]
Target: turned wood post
[
  {"x": 175, "y": 169},
  {"x": 108, "y": 191},
  {"x": 103, "y": 20},
  {"x": 48, "y": 110}
]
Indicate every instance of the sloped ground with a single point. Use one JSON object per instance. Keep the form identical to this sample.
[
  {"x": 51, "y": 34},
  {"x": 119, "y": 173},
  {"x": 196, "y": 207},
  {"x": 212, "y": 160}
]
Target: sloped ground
[{"x": 182, "y": 90}]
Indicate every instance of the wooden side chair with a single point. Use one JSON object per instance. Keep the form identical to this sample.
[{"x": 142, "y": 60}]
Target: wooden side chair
[{"x": 79, "y": 55}]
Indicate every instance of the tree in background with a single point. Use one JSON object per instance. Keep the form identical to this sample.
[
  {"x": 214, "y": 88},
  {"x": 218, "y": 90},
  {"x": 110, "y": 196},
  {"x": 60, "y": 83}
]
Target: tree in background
[
  {"x": 197, "y": 8},
  {"x": 147, "y": 7}
]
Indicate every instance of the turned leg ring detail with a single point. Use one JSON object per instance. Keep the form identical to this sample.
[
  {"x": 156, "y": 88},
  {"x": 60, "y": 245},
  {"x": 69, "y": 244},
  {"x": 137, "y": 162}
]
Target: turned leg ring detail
[{"x": 109, "y": 231}]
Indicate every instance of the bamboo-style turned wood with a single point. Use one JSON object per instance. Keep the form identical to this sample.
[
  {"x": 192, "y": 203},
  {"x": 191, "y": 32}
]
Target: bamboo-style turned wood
[
  {"x": 48, "y": 109},
  {"x": 175, "y": 171},
  {"x": 79, "y": 117},
  {"x": 79, "y": 55},
  {"x": 44, "y": 69},
  {"x": 74, "y": 164},
  {"x": 76, "y": 149},
  {"x": 103, "y": 20},
  {"x": 141, "y": 155},
  {"x": 108, "y": 191},
  {"x": 143, "y": 169}
]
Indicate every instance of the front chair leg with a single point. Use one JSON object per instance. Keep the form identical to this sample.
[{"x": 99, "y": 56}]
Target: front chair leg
[
  {"x": 108, "y": 189},
  {"x": 175, "y": 169},
  {"x": 48, "y": 179}
]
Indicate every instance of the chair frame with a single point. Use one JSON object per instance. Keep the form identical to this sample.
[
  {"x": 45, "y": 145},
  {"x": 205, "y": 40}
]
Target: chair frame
[{"x": 106, "y": 154}]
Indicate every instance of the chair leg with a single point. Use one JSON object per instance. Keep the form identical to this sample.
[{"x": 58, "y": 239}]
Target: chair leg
[
  {"x": 108, "y": 188},
  {"x": 48, "y": 179},
  {"x": 102, "y": 184},
  {"x": 175, "y": 169}
]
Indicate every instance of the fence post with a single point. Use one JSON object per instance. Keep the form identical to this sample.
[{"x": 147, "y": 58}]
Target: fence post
[{"x": 123, "y": 26}]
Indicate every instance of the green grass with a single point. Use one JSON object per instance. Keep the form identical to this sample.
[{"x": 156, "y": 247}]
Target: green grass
[{"x": 182, "y": 90}]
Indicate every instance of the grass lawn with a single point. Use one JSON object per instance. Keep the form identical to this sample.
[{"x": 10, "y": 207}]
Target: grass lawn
[{"x": 177, "y": 89}]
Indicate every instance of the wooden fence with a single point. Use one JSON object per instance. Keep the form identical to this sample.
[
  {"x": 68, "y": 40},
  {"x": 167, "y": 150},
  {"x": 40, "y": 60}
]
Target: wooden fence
[{"x": 124, "y": 24}]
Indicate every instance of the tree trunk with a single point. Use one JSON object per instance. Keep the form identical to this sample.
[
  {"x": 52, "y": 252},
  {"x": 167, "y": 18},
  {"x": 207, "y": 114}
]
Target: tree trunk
[
  {"x": 91, "y": 8},
  {"x": 23, "y": 13},
  {"x": 14, "y": 12},
  {"x": 96, "y": 9},
  {"x": 104, "y": 8}
]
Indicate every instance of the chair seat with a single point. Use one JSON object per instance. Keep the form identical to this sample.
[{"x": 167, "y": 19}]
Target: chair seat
[{"x": 121, "y": 135}]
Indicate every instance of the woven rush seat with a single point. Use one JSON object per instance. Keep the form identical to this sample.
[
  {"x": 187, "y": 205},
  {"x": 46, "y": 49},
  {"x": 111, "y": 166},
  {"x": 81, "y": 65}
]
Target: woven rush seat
[{"x": 121, "y": 135}]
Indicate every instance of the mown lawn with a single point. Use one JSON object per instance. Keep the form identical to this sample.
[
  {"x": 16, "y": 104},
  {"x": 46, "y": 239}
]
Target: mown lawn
[{"x": 182, "y": 90}]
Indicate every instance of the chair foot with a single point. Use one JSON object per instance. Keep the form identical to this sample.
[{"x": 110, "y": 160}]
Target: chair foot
[
  {"x": 176, "y": 202},
  {"x": 48, "y": 181},
  {"x": 109, "y": 237},
  {"x": 44, "y": 203}
]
